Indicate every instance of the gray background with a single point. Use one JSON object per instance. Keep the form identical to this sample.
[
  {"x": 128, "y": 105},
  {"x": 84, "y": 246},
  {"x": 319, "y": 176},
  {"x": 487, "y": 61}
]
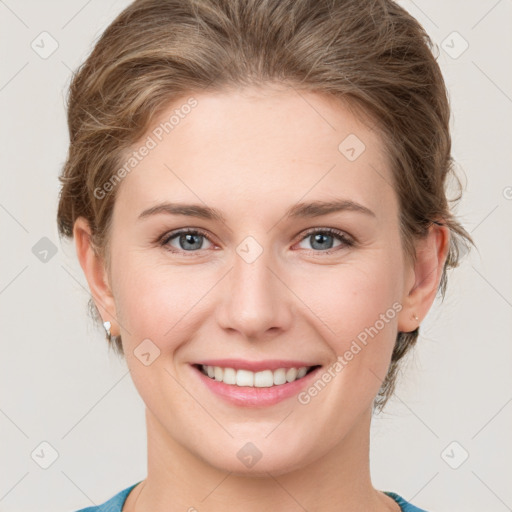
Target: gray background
[{"x": 60, "y": 385}]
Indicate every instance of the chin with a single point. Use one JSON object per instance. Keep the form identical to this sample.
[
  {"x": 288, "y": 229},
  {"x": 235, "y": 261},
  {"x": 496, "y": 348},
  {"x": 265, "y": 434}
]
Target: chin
[{"x": 258, "y": 458}]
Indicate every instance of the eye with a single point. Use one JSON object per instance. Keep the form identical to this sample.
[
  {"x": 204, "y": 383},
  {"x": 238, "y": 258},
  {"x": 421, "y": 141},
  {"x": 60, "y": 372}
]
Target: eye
[
  {"x": 322, "y": 239},
  {"x": 185, "y": 240},
  {"x": 192, "y": 240}
]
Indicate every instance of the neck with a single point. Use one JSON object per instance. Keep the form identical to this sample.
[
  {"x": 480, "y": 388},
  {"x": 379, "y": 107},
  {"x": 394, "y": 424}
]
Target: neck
[{"x": 178, "y": 480}]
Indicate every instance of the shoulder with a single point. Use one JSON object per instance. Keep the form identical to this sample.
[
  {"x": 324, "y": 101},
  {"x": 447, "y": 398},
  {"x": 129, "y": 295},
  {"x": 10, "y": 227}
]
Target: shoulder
[
  {"x": 114, "y": 504},
  {"x": 404, "y": 505}
]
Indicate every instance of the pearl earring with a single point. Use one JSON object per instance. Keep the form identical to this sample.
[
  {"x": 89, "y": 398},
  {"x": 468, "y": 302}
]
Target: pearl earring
[{"x": 107, "y": 326}]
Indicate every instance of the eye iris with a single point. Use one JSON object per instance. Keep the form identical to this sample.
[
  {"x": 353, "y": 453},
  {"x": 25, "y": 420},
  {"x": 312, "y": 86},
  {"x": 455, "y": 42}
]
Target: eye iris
[
  {"x": 319, "y": 237},
  {"x": 189, "y": 237}
]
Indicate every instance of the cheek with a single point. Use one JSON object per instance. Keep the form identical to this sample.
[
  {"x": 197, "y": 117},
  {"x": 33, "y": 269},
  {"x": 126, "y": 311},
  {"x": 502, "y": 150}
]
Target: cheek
[
  {"x": 357, "y": 308},
  {"x": 362, "y": 320},
  {"x": 159, "y": 301},
  {"x": 351, "y": 297},
  {"x": 161, "y": 304}
]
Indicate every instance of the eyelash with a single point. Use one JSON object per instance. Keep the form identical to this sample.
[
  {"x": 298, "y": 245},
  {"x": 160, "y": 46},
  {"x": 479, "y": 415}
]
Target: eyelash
[{"x": 167, "y": 237}]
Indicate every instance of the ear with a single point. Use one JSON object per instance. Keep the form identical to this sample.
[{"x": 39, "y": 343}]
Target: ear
[
  {"x": 95, "y": 273},
  {"x": 423, "y": 277}
]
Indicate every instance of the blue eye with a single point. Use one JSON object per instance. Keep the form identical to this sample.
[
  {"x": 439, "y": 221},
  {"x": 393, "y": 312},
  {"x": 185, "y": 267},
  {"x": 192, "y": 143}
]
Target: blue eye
[
  {"x": 322, "y": 239},
  {"x": 188, "y": 240},
  {"x": 191, "y": 240}
]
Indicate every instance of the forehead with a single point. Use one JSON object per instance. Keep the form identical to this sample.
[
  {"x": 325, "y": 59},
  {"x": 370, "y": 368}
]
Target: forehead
[{"x": 262, "y": 146}]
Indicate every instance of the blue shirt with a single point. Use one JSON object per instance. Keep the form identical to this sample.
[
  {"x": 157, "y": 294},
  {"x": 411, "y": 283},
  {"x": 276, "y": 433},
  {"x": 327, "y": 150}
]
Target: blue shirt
[{"x": 115, "y": 504}]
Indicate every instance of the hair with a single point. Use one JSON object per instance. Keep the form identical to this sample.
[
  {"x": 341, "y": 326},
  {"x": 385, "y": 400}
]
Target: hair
[{"x": 370, "y": 54}]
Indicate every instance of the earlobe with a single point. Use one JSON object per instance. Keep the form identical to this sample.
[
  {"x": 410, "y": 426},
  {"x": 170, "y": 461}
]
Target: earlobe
[
  {"x": 422, "y": 286},
  {"x": 94, "y": 270}
]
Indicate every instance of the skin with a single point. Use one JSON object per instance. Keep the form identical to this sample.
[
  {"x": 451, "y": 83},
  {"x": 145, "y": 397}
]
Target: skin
[{"x": 252, "y": 154}]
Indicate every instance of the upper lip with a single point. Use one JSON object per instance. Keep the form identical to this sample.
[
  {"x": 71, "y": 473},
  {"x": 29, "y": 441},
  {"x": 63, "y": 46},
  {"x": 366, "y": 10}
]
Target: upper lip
[{"x": 255, "y": 366}]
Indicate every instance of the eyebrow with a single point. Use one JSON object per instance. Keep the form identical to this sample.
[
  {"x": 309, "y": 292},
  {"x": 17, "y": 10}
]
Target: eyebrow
[{"x": 300, "y": 210}]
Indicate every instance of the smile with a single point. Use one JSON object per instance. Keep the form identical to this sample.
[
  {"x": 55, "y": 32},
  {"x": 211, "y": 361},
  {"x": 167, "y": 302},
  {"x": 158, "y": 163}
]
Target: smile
[
  {"x": 262, "y": 379},
  {"x": 255, "y": 384}
]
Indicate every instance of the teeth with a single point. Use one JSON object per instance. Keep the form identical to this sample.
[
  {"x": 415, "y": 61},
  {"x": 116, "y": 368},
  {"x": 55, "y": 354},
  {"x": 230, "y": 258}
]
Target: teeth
[
  {"x": 229, "y": 376},
  {"x": 302, "y": 371},
  {"x": 291, "y": 374},
  {"x": 263, "y": 379},
  {"x": 244, "y": 378}
]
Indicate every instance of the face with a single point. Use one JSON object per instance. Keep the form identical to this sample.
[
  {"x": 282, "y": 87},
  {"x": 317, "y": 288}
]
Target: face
[{"x": 265, "y": 279}]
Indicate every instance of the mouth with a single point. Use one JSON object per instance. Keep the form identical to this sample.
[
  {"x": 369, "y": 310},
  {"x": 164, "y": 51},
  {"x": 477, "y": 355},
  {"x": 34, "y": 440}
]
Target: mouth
[
  {"x": 244, "y": 383},
  {"x": 264, "y": 378}
]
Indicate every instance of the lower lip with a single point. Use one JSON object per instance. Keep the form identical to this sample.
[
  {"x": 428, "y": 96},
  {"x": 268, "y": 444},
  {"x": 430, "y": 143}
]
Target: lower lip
[{"x": 256, "y": 397}]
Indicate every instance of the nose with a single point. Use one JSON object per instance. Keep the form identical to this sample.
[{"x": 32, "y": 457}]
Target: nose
[{"x": 256, "y": 303}]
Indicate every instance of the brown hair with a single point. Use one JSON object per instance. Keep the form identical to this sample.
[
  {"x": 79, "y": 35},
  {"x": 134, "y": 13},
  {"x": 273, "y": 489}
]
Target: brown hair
[{"x": 371, "y": 53}]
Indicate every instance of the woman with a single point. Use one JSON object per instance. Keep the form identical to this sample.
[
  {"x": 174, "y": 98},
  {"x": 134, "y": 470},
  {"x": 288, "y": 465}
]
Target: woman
[{"x": 256, "y": 194}]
